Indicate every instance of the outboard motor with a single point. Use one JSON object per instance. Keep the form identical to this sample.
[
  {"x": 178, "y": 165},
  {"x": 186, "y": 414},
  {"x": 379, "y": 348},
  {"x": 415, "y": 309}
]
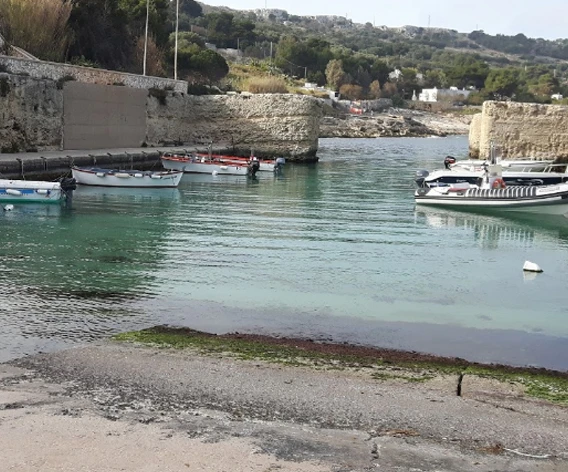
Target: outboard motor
[
  {"x": 448, "y": 161},
  {"x": 421, "y": 178},
  {"x": 68, "y": 183},
  {"x": 254, "y": 166}
]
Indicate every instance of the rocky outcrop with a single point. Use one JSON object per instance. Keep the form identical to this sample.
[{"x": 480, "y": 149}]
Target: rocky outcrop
[
  {"x": 269, "y": 124},
  {"x": 399, "y": 124},
  {"x": 521, "y": 130}
]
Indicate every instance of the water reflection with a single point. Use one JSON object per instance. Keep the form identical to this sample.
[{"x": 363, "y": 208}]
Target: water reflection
[
  {"x": 70, "y": 272},
  {"x": 491, "y": 230}
]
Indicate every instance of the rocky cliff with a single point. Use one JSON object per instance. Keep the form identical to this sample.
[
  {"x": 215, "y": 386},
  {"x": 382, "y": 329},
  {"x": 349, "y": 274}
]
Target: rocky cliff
[{"x": 520, "y": 130}]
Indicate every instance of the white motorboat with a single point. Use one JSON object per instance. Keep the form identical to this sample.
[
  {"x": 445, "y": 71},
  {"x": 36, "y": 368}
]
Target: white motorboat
[
  {"x": 126, "y": 178},
  {"x": 493, "y": 193},
  {"x": 520, "y": 172},
  {"x": 191, "y": 163},
  {"x": 34, "y": 191}
]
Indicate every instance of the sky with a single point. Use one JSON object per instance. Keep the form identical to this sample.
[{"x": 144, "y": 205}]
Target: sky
[{"x": 535, "y": 19}]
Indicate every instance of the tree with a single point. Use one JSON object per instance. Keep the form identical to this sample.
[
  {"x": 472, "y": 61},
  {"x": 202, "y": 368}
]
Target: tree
[
  {"x": 351, "y": 92},
  {"x": 158, "y": 24},
  {"x": 375, "y": 90},
  {"x": 502, "y": 83},
  {"x": 334, "y": 74},
  {"x": 466, "y": 71},
  {"x": 100, "y": 34},
  {"x": 188, "y": 7}
]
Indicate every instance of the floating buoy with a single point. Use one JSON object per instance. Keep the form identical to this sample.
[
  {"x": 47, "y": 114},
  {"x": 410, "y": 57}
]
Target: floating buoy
[
  {"x": 531, "y": 267},
  {"x": 8, "y": 207}
]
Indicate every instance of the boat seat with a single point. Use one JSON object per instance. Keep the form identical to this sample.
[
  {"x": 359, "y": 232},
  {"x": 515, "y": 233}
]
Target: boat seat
[{"x": 509, "y": 192}]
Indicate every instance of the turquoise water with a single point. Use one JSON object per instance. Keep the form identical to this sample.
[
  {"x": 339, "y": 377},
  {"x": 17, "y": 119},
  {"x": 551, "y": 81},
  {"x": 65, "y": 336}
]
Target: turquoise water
[{"x": 332, "y": 251}]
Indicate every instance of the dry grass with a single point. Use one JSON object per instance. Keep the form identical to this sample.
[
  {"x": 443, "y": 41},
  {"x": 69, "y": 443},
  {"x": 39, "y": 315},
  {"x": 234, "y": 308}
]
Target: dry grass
[
  {"x": 37, "y": 26},
  {"x": 266, "y": 85}
]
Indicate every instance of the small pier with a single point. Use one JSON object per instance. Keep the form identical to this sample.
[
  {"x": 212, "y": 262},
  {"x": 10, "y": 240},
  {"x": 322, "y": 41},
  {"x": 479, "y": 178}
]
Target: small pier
[{"x": 53, "y": 164}]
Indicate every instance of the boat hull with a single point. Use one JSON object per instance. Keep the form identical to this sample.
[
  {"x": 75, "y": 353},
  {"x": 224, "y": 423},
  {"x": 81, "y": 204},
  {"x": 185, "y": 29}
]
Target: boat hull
[
  {"x": 20, "y": 191},
  {"x": 265, "y": 165},
  {"x": 197, "y": 166},
  {"x": 97, "y": 177},
  {"x": 542, "y": 199}
]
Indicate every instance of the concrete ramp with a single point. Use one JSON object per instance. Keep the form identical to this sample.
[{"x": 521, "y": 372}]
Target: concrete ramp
[{"x": 103, "y": 116}]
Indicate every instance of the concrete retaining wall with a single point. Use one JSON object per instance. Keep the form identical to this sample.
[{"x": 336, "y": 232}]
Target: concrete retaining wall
[{"x": 98, "y": 116}]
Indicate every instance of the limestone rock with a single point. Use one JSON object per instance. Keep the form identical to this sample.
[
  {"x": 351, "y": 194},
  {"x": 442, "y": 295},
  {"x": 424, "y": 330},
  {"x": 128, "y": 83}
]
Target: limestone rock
[
  {"x": 268, "y": 124},
  {"x": 521, "y": 130}
]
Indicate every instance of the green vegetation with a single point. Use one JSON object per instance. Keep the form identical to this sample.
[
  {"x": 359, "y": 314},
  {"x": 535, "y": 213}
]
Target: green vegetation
[
  {"x": 356, "y": 60},
  {"x": 38, "y": 26},
  {"x": 382, "y": 365}
]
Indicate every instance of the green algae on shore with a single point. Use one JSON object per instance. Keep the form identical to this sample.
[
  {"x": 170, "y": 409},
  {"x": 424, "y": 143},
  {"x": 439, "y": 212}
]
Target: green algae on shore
[{"x": 382, "y": 364}]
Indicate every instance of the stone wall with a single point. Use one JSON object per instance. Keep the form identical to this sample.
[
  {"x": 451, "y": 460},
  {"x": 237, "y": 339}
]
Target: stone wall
[
  {"x": 31, "y": 114},
  {"x": 56, "y": 71},
  {"x": 521, "y": 130},
  {"x": 32, "y": 118},
  {"x": 475, "y": 136},
  {"x": 269, "y": 124}
]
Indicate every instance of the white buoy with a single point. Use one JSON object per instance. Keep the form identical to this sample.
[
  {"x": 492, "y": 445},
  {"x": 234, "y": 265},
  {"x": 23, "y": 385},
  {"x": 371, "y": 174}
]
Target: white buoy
[
  {"x": 8, "y": 207},
  {"x": 531, "y": 267}
]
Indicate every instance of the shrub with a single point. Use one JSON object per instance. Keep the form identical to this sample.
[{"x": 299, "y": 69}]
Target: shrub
[
  {"x": 266, "y": 85},
  {"x": 38, "y": 26}
]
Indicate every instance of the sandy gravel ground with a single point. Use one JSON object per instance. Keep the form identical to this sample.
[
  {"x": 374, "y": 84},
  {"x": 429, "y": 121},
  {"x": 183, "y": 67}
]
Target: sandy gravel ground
[{"x": 113, "y": 407}]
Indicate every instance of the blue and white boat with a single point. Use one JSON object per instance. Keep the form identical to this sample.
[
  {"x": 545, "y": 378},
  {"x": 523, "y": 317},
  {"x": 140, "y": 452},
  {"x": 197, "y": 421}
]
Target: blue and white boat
[{"x": 19, "y": 191}]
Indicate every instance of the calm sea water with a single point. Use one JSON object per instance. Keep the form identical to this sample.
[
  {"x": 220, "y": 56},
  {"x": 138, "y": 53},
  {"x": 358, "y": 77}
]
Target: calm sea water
[{"x": 333, "y": 251}]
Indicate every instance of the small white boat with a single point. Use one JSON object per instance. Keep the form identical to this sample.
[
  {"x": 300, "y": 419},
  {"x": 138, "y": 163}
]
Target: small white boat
[
  {"x": 204, "y": 165},
  {"x": 33, "y": 191},
  {"x": 126, "y": 178},
  {"x": 493, "y": 193}
]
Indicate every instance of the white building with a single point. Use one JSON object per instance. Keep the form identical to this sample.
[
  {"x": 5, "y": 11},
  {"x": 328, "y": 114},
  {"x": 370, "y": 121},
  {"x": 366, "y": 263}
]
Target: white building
[
  {"x": 556, "y": 96},
  {"x": 395, "y": 74},
  {"x": 435, "y": 94}
]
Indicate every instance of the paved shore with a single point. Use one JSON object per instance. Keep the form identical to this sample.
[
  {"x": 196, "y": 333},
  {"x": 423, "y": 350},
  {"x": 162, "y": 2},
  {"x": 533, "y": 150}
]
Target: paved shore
[{"x": 113, "y": 406}]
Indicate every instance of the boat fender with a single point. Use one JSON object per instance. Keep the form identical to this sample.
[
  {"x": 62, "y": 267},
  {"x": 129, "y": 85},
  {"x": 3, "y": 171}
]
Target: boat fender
[
  {"x": 13, "y": 191},
  {"x": 498, "y": 183}
]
